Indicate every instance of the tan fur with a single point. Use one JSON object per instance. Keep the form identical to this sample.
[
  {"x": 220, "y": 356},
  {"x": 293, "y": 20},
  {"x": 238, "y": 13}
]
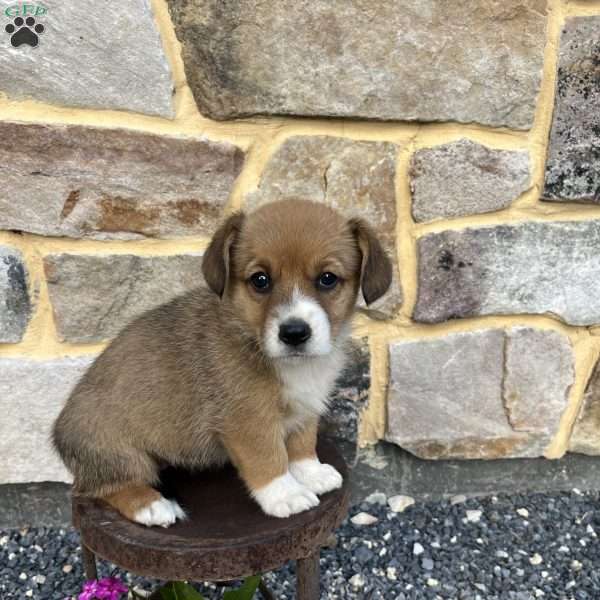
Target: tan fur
[
  {"x": 301, "y": 444},
  {"x": 130, "y": 500},
  {"x": 189, "y": 383}
]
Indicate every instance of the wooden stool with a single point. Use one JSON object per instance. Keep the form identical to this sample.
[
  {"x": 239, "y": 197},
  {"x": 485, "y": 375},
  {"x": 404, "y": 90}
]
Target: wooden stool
[{"x": 225, "y": 537}]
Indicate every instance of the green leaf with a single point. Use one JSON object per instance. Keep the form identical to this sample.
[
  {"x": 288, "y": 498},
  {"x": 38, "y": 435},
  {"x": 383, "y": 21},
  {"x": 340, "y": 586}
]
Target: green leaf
[
  {"x": 246, "y": 592},
  {"x": 178, "y": 590},
  {"x": 167, "y": 593}
]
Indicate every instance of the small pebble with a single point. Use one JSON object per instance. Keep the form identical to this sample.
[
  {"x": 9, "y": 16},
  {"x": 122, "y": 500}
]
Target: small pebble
[
  {"x": 363, "y": 518},
  {"x": 473, "y": 516},
  {"x": 458, "y": 499},
  {"x": 427, "y": 564},
  {"x": 589, "y": 529},
  {"x": 376, "y": 498},
  {"x": 523, "y": 512},
  {"x": 431, "y": 582},
  {"x": 400, "y": 503},
  {"x": 536, "y": 559},
  {"x": 357, "y": 581},
  {"x": 363, "y": 555},
  {"x": 418, "y": 549}
]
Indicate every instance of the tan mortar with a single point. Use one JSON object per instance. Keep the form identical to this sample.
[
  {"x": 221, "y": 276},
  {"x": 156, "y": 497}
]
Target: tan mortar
[{"x": 260, "y": 138}]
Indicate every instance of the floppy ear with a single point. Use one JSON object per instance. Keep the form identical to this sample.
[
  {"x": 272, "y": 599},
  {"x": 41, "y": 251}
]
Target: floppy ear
[
  {"x": 215, "y": 263},
  {"x": 376, "y": 268}
]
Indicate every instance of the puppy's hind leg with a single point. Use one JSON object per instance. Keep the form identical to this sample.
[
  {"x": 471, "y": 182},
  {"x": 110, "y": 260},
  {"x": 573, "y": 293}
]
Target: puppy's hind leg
[
  {"x": 124, "y": 478},
  {"x": 143, "y": 504}
]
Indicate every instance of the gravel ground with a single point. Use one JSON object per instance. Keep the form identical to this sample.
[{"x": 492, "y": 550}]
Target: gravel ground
[{"x": 516, "y": 547}]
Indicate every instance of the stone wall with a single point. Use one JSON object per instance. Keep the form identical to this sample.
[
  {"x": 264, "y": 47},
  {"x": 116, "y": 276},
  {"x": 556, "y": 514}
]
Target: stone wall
[{"x": 467, "y": 133}]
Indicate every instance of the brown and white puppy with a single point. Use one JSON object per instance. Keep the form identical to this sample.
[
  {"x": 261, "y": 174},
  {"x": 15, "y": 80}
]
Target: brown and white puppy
[{"x": 241, "y": 371}]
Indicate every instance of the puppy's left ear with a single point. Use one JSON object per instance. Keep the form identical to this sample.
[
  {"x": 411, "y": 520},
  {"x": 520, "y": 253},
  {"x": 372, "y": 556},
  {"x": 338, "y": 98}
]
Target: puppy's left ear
[
  {"x": 376, "y": 268},
  {"x": 217, "y": 258}
]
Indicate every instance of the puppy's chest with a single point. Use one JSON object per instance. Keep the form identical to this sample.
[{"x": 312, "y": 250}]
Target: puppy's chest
[{"x": 305, "y": 389}]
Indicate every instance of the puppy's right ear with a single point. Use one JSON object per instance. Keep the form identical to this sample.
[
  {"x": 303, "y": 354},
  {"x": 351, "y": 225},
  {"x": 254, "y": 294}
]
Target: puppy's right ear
[{"x": 215, "y": 264}]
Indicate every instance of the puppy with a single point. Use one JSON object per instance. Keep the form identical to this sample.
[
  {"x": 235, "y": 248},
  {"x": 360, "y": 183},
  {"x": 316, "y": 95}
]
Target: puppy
[{"x": 238, "y": 372}]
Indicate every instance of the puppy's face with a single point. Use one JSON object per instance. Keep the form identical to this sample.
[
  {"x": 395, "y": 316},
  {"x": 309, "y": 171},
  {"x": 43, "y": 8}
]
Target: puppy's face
[{"x": 293, "y": 270}]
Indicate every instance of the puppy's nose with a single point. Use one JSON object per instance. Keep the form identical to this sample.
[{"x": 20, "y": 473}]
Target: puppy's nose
[{"x": 294, "y": 332}]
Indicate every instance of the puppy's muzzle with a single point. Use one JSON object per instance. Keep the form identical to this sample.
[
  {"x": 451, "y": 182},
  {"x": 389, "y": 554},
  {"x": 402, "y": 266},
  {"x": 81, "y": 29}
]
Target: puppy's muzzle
[{"x": 294, "y": 332}]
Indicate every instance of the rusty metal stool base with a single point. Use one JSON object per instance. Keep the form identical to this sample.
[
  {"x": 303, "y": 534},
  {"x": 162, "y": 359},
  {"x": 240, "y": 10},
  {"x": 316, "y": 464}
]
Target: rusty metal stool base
[{"x": 225, "y": 537}]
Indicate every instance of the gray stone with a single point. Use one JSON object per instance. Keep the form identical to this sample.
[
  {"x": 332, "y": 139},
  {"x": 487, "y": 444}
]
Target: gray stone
[
  {"x": 465, "y": 178},
  {"x": 484, "y": 394},
  {"x": 94, "y": 296},
  {"x": 573, "y": 162},
  {"x": 15, "y": 304},
  {"x": 32, "y": 394},
  {"x": 425, "y": 60},
  {"x": 111, "y": 183},
  {"x": 91, "y": 55},
  {"x": 355, "y": 177},
  {"x": 585, "y": 438},
  {"x": 539, "y": 368},
  {"x": 526, "y": 268}
]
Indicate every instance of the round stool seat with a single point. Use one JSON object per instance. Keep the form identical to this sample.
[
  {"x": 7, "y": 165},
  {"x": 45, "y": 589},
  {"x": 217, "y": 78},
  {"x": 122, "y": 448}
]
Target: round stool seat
[{"x": 226, "y": 535}]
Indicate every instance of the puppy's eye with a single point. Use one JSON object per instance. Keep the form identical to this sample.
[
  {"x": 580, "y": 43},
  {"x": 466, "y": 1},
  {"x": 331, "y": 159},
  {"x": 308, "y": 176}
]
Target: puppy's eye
[
  {"x": 260, "y": 281},
  {"x": 327, "y": 281}
]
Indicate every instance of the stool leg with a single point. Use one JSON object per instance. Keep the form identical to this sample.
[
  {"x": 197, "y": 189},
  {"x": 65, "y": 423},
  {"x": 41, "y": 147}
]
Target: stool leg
[
  {"x": 89, "y": 563},
  {"x": 308, "y": 578}
]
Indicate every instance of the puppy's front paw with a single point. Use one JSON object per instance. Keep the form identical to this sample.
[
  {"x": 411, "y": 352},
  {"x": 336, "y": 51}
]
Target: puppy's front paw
[
  {"x": 161, "y": 512},
  {"x": 315, "y": 475},
  {"x": 284, "y": 496}
]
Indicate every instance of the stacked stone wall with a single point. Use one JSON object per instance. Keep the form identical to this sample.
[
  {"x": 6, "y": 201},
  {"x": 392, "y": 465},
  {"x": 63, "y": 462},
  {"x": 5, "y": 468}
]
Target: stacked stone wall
[{"x": 468, "y": 135}]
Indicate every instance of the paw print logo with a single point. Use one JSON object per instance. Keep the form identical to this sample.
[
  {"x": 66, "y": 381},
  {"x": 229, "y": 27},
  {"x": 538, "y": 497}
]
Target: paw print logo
[{"x": 24, "y": 31}]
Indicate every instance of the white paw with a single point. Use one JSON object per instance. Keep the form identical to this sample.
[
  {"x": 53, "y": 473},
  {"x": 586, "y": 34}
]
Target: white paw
[
  {"x": 284, "y": 496},
  {"x": 161, "y": 512},
  {"x": 315, "y": 475}
]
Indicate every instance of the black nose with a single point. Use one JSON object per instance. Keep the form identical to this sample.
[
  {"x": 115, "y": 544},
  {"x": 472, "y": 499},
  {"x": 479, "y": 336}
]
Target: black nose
[{"x": 294, "y": 332}]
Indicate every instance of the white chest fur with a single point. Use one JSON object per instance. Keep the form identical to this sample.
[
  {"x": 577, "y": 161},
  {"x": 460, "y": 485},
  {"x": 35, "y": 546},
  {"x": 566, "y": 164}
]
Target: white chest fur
[{"x": 306, "y": 385}]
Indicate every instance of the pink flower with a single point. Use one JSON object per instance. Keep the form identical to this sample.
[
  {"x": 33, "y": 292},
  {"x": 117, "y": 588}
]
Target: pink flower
[{"x": 109, "y": 588}]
